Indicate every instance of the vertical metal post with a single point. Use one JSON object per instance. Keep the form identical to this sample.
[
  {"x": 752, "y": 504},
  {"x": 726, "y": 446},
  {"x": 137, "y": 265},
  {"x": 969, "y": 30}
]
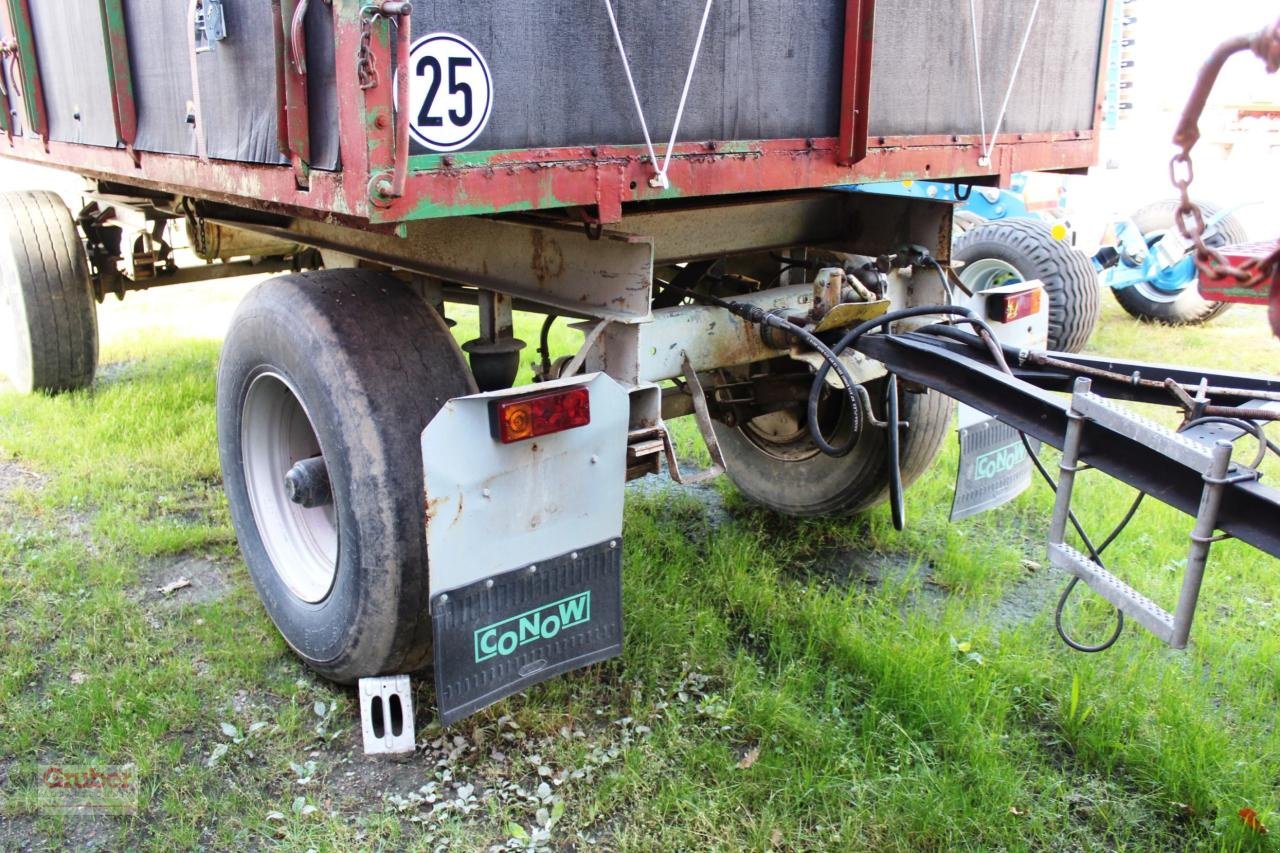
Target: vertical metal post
[
  {"x": 1067, "y": 468},
  {"x": 855, "y": 85},
  {"x": 495, "y": 354},
  {"x": 6, "y": 122},
  {"x": 496, "y": 323},
  {"x": 119, "y": 74},
  {"x": 291, "y": 50},
  {"x": 1201, "y": 538}
]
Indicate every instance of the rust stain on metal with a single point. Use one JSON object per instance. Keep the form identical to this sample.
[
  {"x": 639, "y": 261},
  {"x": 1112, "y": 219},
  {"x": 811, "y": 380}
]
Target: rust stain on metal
[{"x": 547, "y": 260}]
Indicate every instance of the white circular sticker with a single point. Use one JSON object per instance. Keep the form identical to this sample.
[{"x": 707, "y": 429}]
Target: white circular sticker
[{"x": 450, "y": 91}]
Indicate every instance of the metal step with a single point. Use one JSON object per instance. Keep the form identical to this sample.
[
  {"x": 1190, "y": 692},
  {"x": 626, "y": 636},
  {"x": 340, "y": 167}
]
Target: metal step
[
  {"x": 1134, "y": 604},
  {"x": 1211, "y": 463},
  {"x": 1113, "y": 416}
]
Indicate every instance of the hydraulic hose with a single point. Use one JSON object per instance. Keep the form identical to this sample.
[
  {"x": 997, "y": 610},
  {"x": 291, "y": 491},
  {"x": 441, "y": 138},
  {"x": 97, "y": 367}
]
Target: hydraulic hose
[
  {"x": 853, "y": 335},
  {"x": 761, "y": 317}
]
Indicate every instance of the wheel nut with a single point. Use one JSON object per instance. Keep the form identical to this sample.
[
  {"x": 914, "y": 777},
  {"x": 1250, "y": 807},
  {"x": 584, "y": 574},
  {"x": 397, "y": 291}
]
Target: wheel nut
[{"x": 307, "y": 483}]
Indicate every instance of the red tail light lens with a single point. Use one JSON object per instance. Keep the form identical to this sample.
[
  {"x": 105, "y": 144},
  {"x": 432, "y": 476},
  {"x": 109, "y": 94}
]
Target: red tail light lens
[
  {"x": 1007, "y": 307},
  {"x": 518, "y": 418}
]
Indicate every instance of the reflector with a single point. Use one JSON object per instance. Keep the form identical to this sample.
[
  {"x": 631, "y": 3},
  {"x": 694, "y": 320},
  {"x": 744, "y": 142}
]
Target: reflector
[
  {"x": 1007, "y": 307},
  {"x": 518, "y": 418}
]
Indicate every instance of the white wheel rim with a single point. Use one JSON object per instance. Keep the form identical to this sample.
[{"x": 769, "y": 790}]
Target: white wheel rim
[
  {"x": 986, "y": 273},
  {"x": 275, "y": 434}
]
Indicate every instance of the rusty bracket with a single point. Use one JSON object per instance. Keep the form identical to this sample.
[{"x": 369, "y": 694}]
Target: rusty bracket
[
  {"x": 386, "y": 113},
  {"x": 291, "y": 77},
  {"x": 119, "y": 74},
  {"x": 702, "y": 415}
]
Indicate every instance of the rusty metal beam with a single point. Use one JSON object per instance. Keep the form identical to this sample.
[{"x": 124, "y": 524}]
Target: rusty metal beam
[
  {"x": 556, "y": 266},
  {"x": 856, "y": 223},
  {"x": 467, "y": 184}
]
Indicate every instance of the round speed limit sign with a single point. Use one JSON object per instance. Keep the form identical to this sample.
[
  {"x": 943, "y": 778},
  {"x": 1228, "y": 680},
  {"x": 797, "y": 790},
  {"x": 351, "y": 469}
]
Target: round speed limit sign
[{"x": 450, "y": 91}]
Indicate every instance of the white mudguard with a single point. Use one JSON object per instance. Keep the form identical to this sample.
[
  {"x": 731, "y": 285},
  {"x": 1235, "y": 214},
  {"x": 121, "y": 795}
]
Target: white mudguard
[
  {"x": 994, "y": 466},
  {"x": 524, "y": 545}
]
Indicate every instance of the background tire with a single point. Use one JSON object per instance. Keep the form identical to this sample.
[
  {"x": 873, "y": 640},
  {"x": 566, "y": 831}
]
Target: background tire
[
  {"x": 1145, "y": 301},
  {"x": 1028, "y": 246},
  {"x": 349, "y": 363},
  {"x": 810, "y": 483},
  {"x": 48, "y": 317}
]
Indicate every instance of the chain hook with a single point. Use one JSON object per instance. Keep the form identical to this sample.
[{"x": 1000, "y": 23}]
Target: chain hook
[{"x": 1189, "y": 217}]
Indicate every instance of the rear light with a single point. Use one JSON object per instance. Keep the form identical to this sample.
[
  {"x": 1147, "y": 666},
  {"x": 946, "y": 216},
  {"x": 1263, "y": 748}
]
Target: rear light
[
  {"x": 518, "y": 418},
  {"x": 1007, "y": 307}
]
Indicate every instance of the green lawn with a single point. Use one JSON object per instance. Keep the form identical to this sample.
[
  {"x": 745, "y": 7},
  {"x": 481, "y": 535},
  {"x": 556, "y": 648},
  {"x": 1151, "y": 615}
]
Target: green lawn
[{"x": 791, "y": 685}]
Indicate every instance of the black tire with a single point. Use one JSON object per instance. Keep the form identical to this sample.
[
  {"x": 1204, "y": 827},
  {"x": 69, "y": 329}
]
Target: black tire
[
  {"x": 814, "y": 484},
  {"x": 1188, "y": 308},
  {"x": 1068, "y": 276},
  {"x": 369, "y": 364},
  {"x": 48, "y": 317},
  {"x": 962, "y": 222}
]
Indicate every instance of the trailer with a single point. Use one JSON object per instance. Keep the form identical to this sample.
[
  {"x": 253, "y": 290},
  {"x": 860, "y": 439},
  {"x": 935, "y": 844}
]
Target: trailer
[{"x": 659, "y": 175}]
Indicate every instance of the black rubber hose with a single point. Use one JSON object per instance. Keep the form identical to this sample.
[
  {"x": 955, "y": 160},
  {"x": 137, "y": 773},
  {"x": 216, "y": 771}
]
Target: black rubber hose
[
  {"x": 831, "y": 360},
  {"x": 1252, "y": 427},
  {"x": 851, "y": 337},
  {"x": 544, "y": 346},
  {"x": 761, "y": 317},
  {"x": 893, "y": 436}
]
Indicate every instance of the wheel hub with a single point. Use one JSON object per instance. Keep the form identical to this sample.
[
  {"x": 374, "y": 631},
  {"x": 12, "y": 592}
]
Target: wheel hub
[
  {"x": 307, "y": 483},
  {"x": 289, "y": 487},
  {"x": 986, "y": 273}
]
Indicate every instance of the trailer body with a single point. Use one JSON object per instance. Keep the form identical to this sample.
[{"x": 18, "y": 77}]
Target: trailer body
[{"x": 779, "y": 98}]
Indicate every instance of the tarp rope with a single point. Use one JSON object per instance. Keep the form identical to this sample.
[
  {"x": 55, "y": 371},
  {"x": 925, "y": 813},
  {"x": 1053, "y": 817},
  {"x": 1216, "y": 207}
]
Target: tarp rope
[
  {"x": 659, "y": 180},
  {"x": 989, "y": 143}
]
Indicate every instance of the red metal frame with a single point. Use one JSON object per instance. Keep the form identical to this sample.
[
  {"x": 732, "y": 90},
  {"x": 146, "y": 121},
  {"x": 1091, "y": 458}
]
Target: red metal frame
[
  {"x": 855, "y": 95},
  {"x": 603, "y": 178}
]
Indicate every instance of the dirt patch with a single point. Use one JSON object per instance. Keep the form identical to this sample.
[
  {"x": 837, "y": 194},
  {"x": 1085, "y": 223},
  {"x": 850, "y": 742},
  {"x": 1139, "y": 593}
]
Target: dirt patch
[
  {"x": 15, "y": 476},
  {"x": 1028, "y": 598},
  {"x": 184, "y": 582},
  {"x": 661, "y": 486}
]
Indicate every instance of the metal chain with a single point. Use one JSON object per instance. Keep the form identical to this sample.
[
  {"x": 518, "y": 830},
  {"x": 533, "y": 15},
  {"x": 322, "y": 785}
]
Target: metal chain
[
  {"x": 1255, "y": 272},
  {"x": 199, "y": 230},
  {"x": 366, "y": 70}
]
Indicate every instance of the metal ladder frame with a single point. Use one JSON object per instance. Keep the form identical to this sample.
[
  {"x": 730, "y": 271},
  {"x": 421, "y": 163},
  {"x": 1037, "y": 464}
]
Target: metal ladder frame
[{"x": 1213, "y": 463}]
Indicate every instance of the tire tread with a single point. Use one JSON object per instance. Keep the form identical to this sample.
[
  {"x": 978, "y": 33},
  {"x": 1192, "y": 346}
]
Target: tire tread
[
  {"x": 53, "y": 283},
  {"x": 1075, "y": 303}
]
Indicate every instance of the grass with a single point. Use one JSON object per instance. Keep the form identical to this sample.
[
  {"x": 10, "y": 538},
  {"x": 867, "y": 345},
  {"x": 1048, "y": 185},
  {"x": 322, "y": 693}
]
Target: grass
[{"x": 792, "y": 685}]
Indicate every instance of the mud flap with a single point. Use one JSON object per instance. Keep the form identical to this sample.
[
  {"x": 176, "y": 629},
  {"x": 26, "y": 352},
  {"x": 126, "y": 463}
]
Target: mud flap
[
  {"x": 501, "y": 635},
  {"x": 994, "y": 466},
  {"x": 524, "y": 546}
]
